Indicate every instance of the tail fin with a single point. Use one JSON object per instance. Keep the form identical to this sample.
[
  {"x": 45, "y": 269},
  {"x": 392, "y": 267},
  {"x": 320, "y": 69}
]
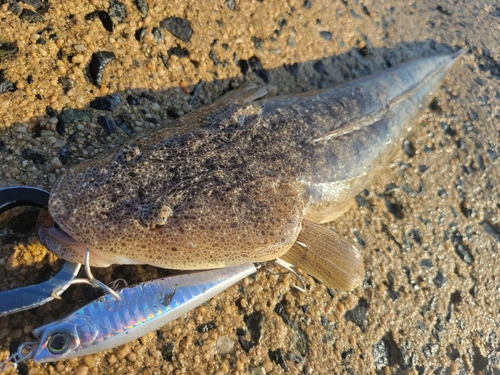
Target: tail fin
[{"x": 323, "y": 254}]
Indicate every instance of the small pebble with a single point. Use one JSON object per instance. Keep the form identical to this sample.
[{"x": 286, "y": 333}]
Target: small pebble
[
  {"x": 81, "y": 370},
  {"x": 60, "y": 367},
  {"x": 30, "y": 16},
  {"x": 123, "y": 351},
  {"x": 78, "y": 58},
  {"x": 79, "y": 47},
  {"x": 97, "y": 64},
  {"x": 56, "y": 163},
  {"x": 132, "y": 357},
  {"x": 142, "y": 6}
]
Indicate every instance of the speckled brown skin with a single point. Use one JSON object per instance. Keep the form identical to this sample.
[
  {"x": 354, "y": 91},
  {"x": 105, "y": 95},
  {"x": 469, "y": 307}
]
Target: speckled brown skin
[{"x": 233, "y": 181}]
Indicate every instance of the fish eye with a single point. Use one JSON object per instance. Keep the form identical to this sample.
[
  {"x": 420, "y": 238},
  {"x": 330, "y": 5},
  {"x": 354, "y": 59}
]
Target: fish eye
[{"x": 58, "y": 343}]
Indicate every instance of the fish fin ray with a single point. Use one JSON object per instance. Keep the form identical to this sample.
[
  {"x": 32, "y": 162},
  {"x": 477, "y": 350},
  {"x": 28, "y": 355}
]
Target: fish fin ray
[
  {"x": 246, "y": 93},
  {"x": 323, "y": 254}
]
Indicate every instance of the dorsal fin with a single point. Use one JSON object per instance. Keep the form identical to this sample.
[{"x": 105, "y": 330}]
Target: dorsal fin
[{"x": 246, "y": 93}]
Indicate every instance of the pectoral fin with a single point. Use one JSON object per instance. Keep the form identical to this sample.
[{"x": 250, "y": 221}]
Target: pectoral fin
[{"x": 323, "y": 254}]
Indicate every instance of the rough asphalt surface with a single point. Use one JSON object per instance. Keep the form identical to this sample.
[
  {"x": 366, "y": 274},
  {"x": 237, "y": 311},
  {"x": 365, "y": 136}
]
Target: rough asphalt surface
[{"x": 77, "y": 78}]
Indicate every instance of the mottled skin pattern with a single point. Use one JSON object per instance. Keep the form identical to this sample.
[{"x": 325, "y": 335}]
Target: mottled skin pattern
[{"x": 233, "y": 181}]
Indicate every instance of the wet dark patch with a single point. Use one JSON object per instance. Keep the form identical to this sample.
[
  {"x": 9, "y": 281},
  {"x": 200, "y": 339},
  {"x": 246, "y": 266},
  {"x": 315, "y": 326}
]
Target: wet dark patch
[
  {"x": 327, "y": 323},
  {"x": 140, "y": 33},
  {"x": 462, "y": 250},
  {"x": 142, "y": 6},
  {"x": 359, "y": 239},
  {"x": 320, "y": 67},
  {"x": 70, "y": 115},
  {"x": 179, "y": 27},
  {"x": 447, "y": 129},
  {"x": 107, "y": 103},
  {"x": 386, "y": 353},
  {"x": 212, "y": 55},
  {"x": 358, "y": 314},
  {"x": 256, "y": 66},
  {"x": 278, "y": 357},
  {"x": 31, "y": 16},
  {"x": 7, "y": 49},
  {"x": 167, "y": 351},
  {"x": 441, "y": 10},
  {"x": 492, "y": 229},
  {"x": 158, "y": 35},
  {"x": 107, "y": 124},
  {"x": 365, "y": 10},
  {"x": 415, "y": 236},
  {"x": 132, "y": 100},
  {"x": 408, "y": 148},
  {"x": 178, "y": 51},
  {"x": 479, "y": 362},
  {"x": 104, "y": 17},
  {"x": 97, "y": 64},
  {"x": 280, "y": 309},
  {"x": 434, "y": 106},
  {"x": 5, "y": 84},
  {"x": 117, "y": 10},
  {"x": 244, "y": 66},
  {"x": 257, "y": 42},
  {"x": 439, "y": 280},
  {"x": 246, "y": 345},
  {"x": 125, "y": 126},
  {"x": 326, "y": 35},
  {"x": 361, "y": 202},
  {"x": 426, "y": 263},
  {"x": 293, "y": 69},
  {"x": 255, "y": 322},
  {"x": 15, "y": 8},
  {"x": 394, "y": 208},
  {"x": 205, "y": 327},
  {"x": 32, "y": 155}
]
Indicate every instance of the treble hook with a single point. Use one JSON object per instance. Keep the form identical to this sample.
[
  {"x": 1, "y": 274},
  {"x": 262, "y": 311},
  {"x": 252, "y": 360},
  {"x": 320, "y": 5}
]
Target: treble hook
[
  {"x": 289, "y": 267},
  {"x": 91, "y": 280}
]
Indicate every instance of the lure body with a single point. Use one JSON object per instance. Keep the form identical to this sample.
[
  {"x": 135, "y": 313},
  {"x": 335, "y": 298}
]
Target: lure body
[
  {"x": 109, "y": 322},
  {"x": 239, "y": 180}
]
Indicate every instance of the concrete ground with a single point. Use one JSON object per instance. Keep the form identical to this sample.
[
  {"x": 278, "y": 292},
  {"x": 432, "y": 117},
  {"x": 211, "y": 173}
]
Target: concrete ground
[{"x": 429, "y": 228}]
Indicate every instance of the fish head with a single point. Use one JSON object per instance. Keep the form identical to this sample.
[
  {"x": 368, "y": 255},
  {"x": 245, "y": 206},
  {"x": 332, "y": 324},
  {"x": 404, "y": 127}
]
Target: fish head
[{"x": 133, "y": 208}]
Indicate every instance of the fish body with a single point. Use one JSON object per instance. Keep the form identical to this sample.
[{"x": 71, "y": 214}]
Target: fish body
[{"x": 238, "y": 180}]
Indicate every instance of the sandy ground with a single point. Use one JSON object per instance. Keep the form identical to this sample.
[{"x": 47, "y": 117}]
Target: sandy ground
[{"x": 429, "y": 229}]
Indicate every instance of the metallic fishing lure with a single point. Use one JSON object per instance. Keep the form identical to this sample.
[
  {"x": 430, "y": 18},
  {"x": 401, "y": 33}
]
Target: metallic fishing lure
[{"x": 108, "y": 322}]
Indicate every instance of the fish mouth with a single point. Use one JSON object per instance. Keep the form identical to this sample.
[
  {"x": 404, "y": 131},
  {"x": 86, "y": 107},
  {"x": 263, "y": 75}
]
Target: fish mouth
[
  {"x": 53, "y": 230},
  {"x": 64, "y": 245},
  {"x": 57, "y": 233}
]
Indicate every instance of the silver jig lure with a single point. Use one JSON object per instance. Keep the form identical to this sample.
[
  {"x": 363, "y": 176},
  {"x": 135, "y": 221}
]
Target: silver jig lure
[{"x": 109, "y": 322}]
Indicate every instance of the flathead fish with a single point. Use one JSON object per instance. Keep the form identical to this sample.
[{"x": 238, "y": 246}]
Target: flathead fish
[{"x": 243, "y": 179}]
